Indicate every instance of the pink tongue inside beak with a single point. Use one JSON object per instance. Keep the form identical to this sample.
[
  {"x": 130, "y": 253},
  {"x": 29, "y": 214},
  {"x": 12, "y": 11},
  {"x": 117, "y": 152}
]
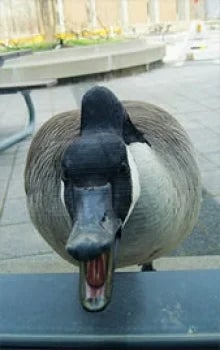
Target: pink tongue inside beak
[{"x": 96, "y": 271}]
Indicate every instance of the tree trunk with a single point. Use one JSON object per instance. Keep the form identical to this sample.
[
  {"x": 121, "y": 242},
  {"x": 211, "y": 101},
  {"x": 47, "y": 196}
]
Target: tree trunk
[
  {"x": 48, "y": 18},
  {"x": 91, "y": 13}
]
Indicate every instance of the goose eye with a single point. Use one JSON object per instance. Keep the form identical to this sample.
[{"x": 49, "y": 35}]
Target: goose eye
[{"x": 124, "y": 169}]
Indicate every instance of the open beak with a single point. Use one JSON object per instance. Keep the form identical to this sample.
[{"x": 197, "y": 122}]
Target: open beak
[{"x": 93, "y": 243}]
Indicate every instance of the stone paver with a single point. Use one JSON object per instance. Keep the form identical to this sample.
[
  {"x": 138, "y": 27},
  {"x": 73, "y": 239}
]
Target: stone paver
[
  {"x": 211, "y": 182},
  {"x": 14, "y": 212},
  {"x": 3, "y": 191},
  {"x": 16, "y": 190},
  {"x": 190, "y": 93},
  {"x": 206, "y": 164},
  {"x": 39, "y": 263},
  {"x": 214, "y": 157},
  {"x": 21, "y": 240}
]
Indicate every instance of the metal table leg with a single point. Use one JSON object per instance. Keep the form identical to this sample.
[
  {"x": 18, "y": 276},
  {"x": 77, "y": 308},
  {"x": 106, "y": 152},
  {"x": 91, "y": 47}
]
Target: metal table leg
[{"x": 28, "y": 130}]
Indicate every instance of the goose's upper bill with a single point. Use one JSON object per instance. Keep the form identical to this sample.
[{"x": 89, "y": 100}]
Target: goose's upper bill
[{"x": 112, "y": 185}]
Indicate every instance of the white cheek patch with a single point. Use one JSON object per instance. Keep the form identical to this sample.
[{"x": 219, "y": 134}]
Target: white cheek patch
[
  {"x": 62, "y": 193},
  {"x": 135, "y": 183}
]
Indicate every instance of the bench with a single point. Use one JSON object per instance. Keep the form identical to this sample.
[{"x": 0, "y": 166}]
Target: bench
[
  {"x": 13, "y": 54},
  {"x": 149, "y": 310},
  {"x": 24, "y": 88}
]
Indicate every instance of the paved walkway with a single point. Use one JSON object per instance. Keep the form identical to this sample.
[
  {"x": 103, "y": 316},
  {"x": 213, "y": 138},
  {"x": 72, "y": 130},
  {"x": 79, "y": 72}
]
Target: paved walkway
[
  {"x": 191, "y": 93},
  {"x": 181, "y": 45}
]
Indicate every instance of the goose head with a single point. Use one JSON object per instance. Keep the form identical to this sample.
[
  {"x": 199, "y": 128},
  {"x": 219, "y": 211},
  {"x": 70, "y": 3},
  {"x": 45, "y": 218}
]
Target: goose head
[{"x": 99, "y": 193}]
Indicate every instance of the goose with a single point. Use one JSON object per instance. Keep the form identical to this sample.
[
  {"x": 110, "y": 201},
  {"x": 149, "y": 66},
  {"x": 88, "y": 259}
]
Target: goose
[{"x": 111, "y": 185}]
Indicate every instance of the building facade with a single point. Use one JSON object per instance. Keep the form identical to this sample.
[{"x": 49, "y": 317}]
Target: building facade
[
  {"x": 22, "y": 18},
  {"x": 129, "y": 13}
]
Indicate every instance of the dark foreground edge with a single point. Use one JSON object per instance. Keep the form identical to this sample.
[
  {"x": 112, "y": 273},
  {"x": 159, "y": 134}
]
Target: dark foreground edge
[{"x": 152, "y": 310}]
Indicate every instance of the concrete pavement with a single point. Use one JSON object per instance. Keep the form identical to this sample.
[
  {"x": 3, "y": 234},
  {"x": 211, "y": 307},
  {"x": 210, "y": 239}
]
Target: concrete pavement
[
  {"x": 191, "y": 93},
  {"x": 191, "y": 45}
]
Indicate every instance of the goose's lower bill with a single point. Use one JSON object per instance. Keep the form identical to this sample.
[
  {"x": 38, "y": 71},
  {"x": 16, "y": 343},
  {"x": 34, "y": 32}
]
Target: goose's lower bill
[{"x": 95, "y": 287}]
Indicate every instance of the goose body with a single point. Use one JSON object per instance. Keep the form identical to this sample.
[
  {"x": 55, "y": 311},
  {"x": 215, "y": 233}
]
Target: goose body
[{"x": 154, "y": 211}]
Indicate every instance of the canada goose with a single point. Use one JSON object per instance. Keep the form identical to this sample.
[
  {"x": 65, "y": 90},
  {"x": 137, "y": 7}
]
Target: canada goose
[{"x": 129, "y": 176}]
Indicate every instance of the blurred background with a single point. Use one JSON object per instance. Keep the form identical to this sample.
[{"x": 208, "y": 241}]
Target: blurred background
[
  {"x": 24, "y": 23},
  {"x": 165, "y": 52}
]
